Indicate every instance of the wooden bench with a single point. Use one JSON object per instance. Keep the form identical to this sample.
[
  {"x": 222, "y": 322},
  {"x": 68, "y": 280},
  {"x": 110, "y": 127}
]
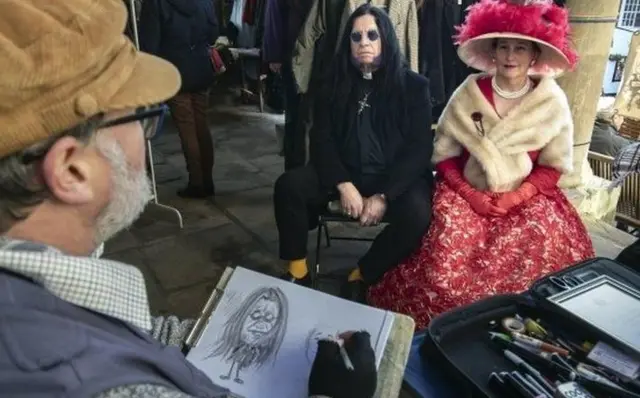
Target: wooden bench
[
  {"x": 628, "y": 210},
  {"x": 608, "y": 241}
]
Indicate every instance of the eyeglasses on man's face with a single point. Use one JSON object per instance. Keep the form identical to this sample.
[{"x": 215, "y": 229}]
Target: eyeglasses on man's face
[{"x": 150, "y": 118}]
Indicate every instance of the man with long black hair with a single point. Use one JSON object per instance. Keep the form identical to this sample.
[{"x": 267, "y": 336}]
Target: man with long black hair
[{"x": 370, "y": 146}]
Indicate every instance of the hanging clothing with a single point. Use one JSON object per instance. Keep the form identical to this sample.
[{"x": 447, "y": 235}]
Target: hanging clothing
[
  {"x": 283, "y": 20},
  {"x": 236, "y": 14},
  {"x": 466, "y": 256},
  {"x": 328, "y": 18},
  {"x": 275, "y": 32},
  {"x": 439, "y": 60}
]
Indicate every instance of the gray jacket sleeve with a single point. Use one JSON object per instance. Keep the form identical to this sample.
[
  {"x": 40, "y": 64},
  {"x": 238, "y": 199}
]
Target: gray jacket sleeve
[{"x": 169, "y": 331}]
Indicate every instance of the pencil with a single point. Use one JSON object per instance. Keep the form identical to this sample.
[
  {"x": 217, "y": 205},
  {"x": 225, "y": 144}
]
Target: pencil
[{"x": 345, "y": 357}]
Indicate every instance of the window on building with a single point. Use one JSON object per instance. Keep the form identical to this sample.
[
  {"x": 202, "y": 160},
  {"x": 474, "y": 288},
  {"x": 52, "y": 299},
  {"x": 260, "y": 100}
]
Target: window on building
[
  {"x": 618, "y": 70},
  {"x": 630, "y": 14}
]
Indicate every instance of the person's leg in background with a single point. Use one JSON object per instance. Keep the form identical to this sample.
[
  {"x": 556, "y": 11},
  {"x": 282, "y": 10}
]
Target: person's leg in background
[
  {"x": 409, "y": 217},
  {"x": 296, "y": 197},
  {"x": 200, "y": 102},
  {"x": 294, "y": 145},
  {"x": 182, "y": 112}
]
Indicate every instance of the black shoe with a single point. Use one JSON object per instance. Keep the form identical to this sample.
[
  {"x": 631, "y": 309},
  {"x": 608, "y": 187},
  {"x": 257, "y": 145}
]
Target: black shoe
[
  {"x": 354, "y": 291},
  {"x": 306, "y": 281},
  {"x": 195, "y": 192}
]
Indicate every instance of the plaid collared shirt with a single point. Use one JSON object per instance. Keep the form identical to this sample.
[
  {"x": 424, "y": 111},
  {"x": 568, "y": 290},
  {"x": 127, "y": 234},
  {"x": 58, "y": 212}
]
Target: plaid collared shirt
[
  {"x": 104, "y": 286},
  {"x": 626, "y": 162}
]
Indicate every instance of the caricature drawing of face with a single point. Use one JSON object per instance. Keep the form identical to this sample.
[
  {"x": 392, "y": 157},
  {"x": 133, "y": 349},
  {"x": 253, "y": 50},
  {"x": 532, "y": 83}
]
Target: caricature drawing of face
[
  {"x": 260, "y": 321},
  {"x": 313, "y": 337}
]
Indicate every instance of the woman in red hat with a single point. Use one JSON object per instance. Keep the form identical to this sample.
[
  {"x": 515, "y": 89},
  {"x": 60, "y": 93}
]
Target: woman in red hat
[{"x": 502, "y": 143}]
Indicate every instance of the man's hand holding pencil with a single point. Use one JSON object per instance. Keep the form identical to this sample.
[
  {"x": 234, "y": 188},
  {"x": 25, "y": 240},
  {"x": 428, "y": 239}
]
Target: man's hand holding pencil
[{"x": 344, "y": 367}]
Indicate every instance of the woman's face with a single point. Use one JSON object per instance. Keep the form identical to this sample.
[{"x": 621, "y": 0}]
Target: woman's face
[
  {"x": 365, "y": 40},
  {"x": 514, "y": 57}
]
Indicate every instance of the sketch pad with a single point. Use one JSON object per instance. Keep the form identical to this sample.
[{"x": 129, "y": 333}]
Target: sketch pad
[{"x": 261, "y": 339}]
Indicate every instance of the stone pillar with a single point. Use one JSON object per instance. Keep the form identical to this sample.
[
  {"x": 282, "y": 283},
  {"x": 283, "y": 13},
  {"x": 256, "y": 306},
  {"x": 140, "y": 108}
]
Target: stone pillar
[{"x": 593, "y": 23}]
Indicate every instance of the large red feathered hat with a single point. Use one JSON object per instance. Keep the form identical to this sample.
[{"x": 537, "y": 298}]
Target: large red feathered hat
[{"x": 539, "y": 21}]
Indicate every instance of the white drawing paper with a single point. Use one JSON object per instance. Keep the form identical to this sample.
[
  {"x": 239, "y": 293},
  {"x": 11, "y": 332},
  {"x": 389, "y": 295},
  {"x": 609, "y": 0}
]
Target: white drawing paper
[{"x": 262, "y": 338}]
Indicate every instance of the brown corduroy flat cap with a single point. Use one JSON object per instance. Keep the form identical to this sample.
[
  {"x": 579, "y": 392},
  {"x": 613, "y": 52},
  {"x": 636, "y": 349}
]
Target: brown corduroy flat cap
[{"x": 64, "y": 61}]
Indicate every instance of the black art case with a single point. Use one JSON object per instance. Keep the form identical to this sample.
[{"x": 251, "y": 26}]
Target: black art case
[{"x": 457, "y": 341}]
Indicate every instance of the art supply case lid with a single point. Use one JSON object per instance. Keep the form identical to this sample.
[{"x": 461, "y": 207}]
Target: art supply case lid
[{"x": 458, "y": 339}]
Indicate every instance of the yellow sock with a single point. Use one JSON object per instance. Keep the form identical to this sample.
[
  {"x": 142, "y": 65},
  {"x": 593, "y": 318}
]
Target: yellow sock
[
  {"x": 298, "y": 268},
  {"x": 355, "y": 275}
]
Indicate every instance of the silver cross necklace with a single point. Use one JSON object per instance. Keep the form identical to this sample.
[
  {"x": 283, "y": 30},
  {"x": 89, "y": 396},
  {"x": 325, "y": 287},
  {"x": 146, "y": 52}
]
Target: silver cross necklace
[{"x": 363, "y": 104}]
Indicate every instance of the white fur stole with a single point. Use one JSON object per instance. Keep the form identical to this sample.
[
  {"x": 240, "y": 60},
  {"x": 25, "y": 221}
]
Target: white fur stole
[{"x": 499, "y": 160}]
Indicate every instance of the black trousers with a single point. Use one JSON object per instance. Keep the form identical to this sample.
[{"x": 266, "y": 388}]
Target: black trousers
[
  {"x": 298, "y": 198},
  {"x": 294, "y": 142}
]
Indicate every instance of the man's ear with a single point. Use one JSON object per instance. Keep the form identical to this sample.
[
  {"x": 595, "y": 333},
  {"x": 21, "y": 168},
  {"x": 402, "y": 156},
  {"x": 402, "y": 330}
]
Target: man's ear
[{"x": 66, "y": 170}]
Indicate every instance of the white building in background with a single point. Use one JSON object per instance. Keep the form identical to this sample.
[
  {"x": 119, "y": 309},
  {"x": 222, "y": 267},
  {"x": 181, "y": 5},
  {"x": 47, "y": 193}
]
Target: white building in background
[{"x": 628, "y": 23}]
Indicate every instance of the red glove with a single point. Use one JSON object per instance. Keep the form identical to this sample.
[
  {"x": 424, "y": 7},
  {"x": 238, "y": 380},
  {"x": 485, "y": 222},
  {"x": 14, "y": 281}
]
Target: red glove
[
  {"x": 544, "y": 178},
  {"x": 510, "y": 200},
  {"x": 480, "y": 202}
]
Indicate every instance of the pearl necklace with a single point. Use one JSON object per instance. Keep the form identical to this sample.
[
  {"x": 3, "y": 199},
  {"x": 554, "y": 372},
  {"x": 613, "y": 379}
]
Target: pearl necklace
[{"x": 511, "y": 94}]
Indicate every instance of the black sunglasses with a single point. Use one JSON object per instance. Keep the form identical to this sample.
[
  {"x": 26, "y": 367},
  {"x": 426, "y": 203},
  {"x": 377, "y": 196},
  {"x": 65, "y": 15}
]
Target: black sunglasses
[
  {"x": 151, "y": 119},
  {"x": 372, "y": 35}
]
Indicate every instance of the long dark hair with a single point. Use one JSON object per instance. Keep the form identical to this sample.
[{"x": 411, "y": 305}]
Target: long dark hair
[{"x": 342, "y": 77}]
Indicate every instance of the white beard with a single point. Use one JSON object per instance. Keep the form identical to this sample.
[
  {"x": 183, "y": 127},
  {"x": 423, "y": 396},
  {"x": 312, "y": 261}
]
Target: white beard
[{"x": 130, "y": 192}]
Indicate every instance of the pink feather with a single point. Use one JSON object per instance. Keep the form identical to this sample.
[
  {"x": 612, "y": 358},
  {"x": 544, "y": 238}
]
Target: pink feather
[{"x": 540, "y": 19}]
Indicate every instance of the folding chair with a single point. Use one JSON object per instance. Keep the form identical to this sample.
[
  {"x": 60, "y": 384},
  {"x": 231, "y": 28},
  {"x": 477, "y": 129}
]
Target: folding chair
[{"x": 325, "y": 217}]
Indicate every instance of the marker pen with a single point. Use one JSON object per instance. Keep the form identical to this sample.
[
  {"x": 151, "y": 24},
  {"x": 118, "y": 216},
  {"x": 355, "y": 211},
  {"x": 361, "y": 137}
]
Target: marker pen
[
  {"x": 537, "y": 385},
  {"x": 588, "y": 374},
  {"x": 536, "y": 360},
  {"x": 517, "y": 386},
  {"x": 557, "y": 358},
  {"x": 523, "y": 338},
  {"x": 533, "y": 389},
  {"x": 497, "y": 384},
  {"x": 525, "y": 367}
]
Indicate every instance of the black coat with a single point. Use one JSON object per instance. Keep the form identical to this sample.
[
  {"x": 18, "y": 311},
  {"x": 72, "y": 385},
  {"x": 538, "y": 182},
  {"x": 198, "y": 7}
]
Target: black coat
[
  {"x": 181, "y": 31},
  {"x": 438, "y": 57},
  {"x": 408, "y": 148}
]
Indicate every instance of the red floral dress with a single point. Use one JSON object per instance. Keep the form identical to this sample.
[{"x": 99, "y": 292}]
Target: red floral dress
[{"x": 465, "y": 256}]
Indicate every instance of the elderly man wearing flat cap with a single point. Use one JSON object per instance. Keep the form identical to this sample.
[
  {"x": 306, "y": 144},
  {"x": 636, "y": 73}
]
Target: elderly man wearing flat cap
[{"x": 77, "y": 102}]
